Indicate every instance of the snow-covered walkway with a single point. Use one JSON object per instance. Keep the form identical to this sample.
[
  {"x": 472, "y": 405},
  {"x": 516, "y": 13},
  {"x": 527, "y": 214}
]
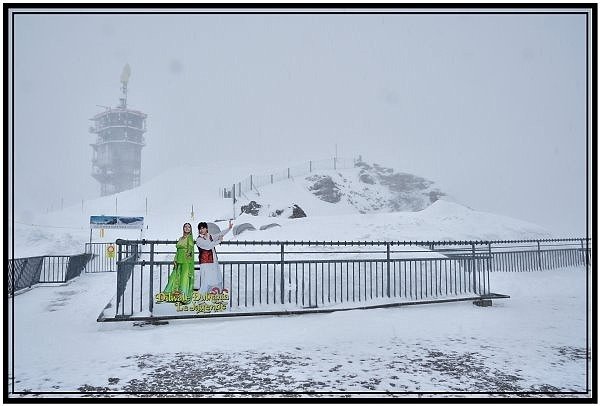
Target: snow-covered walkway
[{"x": 533, "y": 342}]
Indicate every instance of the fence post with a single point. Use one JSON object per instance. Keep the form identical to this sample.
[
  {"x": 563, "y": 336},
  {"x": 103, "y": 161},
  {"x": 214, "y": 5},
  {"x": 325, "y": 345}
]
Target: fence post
[
  {"x": 310, "y": 166},
  {"x": 250, "y": 182},
  {"x": 473, "y": 273},
  {"x": 488, "y": 269},
  {"x": 271, "y": 179},
  {"x": 151, "y": 286},
  {"x": 388, "y": 269},
  {"x": 334, "y": 163},
  {"x": 587, "y": 252},
  {"x": 233, "y": 199},
  {"x": 11, "y": 277},
  {"x": 119, "y": 270},
  {"x": 288, "y": 172},
  {"x": 539, "y": 256},
  {"x": 282, "y": 275}
]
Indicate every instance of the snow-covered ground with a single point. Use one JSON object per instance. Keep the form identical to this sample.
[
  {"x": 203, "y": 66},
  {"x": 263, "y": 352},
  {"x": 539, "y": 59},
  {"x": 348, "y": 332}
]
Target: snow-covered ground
[{"x": 533, "y": 342}]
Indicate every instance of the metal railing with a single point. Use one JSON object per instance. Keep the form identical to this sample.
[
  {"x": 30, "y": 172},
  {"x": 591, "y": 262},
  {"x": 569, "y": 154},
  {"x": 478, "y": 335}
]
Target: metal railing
[
  {"x": 253, "y": 182},
  {"x": 25, "y": 272},
  {"x": 44, "y": 269},
  {"x": 526, "y": 255},
  {"x": 301, "y": 276},
  {"x": 100, "y": 262},
  {"x": 127, "y": 260},
  {"x": 76, "y": 265}
]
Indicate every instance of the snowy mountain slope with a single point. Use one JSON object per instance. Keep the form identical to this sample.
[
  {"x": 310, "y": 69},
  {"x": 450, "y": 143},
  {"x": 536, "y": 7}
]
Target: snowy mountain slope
[
  {"x": 170, "y": 197},
  {"x": 362, "y": 189},
  {"x": 442, "y": 220}
]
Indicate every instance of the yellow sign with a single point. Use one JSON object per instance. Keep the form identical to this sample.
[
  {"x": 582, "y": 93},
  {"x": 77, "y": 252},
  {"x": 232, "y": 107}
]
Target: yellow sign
[{"x": 110, "y": 251}]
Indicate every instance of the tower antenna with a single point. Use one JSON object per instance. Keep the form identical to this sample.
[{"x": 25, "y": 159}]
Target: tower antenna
[{"x": 124, "y": 79}]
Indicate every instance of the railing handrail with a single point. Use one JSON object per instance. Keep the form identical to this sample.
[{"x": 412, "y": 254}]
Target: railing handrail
[
  {"x": 67, "y": 267},
  {"x": 45, "y": 256},
  {"x": 294, "y": 261},
  {"x": 359, "y": 243},
  {"x": 250, "y": 181},
  {"x": 37, "y": 256},
  {"x": 457, "y": 268}
]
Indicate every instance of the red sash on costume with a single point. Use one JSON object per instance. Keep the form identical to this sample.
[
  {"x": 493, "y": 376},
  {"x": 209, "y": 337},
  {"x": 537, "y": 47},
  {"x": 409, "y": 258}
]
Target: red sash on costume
[{"x": 206, "y": 256}]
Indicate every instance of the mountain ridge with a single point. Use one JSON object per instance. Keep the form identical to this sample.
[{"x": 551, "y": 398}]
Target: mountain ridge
[{"x": 187, "y": 194}]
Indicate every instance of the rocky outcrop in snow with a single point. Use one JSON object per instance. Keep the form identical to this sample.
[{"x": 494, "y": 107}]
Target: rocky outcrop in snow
[
  {"x": 375, "y": 189},
  {"x": 324, "y": 188},
  {"x": 292, "y": 212},
  {"x": 252, "y": 208}
]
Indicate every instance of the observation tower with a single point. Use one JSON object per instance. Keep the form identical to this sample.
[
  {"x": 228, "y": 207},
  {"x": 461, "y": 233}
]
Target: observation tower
[{"x": 117, "y": 155}]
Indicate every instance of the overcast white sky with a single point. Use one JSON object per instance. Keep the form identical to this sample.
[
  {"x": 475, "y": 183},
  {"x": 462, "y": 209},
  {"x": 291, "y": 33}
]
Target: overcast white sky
[{"x": 491, "y": 107}]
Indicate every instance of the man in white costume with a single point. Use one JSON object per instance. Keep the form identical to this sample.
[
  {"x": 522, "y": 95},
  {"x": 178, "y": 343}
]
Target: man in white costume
[{"x": 210, "y": 275}]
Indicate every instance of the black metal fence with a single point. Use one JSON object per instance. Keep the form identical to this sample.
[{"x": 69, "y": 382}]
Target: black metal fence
[
  {"x": 128, "y": 257},
  {"x": 298, "y": 276},
  {"x": 288, "y": 277},
  {"x": 253, "y": 182},
  {"x": 26, "y": 272},
  {"x": 104, "y": 258},
  {"x": 76, "y": 265},
  {"x": 524, "y": 255}
]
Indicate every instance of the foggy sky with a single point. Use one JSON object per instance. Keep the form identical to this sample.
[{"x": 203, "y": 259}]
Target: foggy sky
[{"x": 490, "y": 107}]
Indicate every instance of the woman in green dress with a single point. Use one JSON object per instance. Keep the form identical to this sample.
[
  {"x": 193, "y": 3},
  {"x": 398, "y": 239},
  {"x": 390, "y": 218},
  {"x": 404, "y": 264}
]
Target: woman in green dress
[{"x": 182, "y": 278}]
